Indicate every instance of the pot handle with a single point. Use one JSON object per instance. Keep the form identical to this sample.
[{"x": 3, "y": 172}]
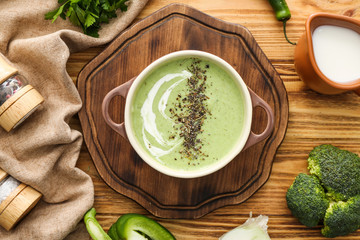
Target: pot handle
[
  {"x": 259, "y": 102},
  {"x": 121, "y": 90}
]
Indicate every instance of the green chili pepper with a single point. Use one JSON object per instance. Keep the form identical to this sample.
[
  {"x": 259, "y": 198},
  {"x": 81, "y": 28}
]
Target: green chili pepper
[
  {"x": 112, "y": 232},
  {"x": 113, "y": 229},
  {"x": 136, "y": 226},
  {"x": 93, "y": 227},
  {"x": 128, "y": 227},
  {"x": 282, "y": 14}
]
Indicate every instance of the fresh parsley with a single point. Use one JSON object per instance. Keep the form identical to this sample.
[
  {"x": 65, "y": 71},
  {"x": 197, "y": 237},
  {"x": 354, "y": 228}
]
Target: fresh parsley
[{"x": 87, "y": 14}]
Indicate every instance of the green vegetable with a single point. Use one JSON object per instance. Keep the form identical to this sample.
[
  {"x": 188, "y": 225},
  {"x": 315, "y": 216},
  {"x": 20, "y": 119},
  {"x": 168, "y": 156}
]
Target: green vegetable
[
  {"x": 113, "y": 231},
  {"x": 128, "y": 227},
  {"x": 282, "y": 14},
  {"x": 307, "y": 200},
  {"x": 334, "y": 182},
  {"x": 87, "y": 14},
  {"x": 342, "y": 218},
  {"x": 338, "y": 170},
  {"x": 135, "y": 226},
  {"x": 93, "y": 227}
]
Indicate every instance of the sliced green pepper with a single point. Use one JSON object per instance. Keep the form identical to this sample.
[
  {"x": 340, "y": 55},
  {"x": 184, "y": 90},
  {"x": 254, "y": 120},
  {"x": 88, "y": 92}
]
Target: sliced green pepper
[
  {"x": 113, "y": 229},
  {"x": 112, "y": 232},
  {"x": 128, "y": 227},
  {"x": 135, "y": 226},
  {"x": 93, "y": 227},
  {"x": 282, "y": 14}
]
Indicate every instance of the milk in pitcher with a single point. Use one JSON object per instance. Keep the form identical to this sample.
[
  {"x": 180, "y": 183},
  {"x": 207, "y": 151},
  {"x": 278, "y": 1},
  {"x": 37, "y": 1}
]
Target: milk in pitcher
[{"x": 337, "y": 53}]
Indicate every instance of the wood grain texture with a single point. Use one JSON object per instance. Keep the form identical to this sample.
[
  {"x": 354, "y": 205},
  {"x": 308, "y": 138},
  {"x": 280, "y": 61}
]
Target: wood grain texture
[
  {"x": 178, "y": 27},
  {"x": 313, "y": 119}
]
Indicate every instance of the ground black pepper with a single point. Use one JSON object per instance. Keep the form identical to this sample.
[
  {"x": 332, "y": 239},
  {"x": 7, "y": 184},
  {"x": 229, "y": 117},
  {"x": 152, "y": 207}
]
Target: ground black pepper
[{"x": 193, "y": 112}]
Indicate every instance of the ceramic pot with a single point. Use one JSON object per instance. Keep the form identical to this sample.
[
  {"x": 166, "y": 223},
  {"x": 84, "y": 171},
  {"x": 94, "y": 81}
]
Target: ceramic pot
[{"x": 246, "y": 140}]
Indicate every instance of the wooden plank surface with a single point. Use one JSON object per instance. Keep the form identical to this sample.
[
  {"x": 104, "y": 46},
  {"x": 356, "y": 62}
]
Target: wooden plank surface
[{"x": 313, "y": 119}]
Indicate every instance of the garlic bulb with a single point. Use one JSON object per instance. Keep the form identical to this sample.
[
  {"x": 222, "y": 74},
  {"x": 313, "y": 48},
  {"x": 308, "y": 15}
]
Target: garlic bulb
[{"x": 252, "y": 229}]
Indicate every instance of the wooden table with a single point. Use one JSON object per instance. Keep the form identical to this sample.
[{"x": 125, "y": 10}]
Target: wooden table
[{"x": 313, "y": 119}]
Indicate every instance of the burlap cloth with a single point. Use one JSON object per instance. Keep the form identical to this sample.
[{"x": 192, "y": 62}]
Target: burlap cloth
[{"x": 43, "y": 150}]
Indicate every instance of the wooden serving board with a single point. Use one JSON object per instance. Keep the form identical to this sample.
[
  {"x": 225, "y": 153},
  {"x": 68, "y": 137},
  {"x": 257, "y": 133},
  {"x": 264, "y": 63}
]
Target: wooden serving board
[{"x": 178, "y": 27}]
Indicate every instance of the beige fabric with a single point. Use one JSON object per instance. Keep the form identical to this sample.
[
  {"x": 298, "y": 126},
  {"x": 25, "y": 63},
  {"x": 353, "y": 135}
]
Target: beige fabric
[{"x": 43, "y": 151}]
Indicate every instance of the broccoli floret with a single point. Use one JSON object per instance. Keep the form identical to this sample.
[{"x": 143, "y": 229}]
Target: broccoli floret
[
  {"x": 335, "y": 178},
  {"x": 306, "y": 199},
  {"x": 342, "y": 218},
  {"x": 338, "y": 171}
]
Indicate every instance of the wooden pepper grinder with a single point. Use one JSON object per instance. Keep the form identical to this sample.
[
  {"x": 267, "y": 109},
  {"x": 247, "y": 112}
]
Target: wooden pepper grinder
[
  {"x": 16, "y": 200},
  {"x": 18, "y": 99}
]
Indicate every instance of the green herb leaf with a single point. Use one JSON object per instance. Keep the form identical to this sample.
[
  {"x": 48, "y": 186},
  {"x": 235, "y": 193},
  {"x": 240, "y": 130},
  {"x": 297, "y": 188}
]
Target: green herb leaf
[
  {"x": 90, "y": 20},
  {"x": 51, "y": 14},
  {"x": 87, "y": 14},
  {"x": 73, "y": 17},
  {"x": 121, "y": 4},
  {"x": 93, "y": 31},
  {"x": 57, "y": 12}
]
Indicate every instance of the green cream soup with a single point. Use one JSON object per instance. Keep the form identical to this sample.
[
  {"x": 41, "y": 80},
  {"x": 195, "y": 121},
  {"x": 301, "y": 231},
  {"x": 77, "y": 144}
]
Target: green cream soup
[{"x": 188, "y": 113}]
